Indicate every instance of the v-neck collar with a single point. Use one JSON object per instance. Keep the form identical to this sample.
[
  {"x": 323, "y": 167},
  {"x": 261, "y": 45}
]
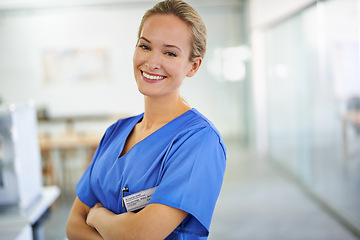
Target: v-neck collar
[{"x": 137, "y": 120}]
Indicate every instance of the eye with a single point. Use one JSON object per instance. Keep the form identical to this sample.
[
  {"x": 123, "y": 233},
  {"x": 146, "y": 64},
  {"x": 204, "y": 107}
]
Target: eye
[
  {"x": 171, "y": 54},
  {"x": 144, "y": 47}
]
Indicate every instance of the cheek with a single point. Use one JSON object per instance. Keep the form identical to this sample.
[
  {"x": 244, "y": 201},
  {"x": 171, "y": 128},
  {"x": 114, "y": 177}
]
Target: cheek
[
  {"x": 137, "y": 58},
  {"x": 136, "y": 64},
  {"x": 178, "y": 69}
]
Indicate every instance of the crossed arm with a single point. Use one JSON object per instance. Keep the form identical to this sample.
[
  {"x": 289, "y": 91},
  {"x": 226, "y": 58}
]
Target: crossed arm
[{"x": 155, "y": 221}]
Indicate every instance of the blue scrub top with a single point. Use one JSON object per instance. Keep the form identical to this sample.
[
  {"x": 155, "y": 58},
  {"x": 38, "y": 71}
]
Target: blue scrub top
[{"x": 185, "y": 159}]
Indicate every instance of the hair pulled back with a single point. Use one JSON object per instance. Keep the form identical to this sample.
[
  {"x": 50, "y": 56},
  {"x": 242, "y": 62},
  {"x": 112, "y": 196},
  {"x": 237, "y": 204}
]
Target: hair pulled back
[{"x": 189, "y": 15}]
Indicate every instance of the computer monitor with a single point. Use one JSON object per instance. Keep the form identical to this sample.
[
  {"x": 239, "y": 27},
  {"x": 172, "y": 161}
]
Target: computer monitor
[{"x": 20, "y": 161}]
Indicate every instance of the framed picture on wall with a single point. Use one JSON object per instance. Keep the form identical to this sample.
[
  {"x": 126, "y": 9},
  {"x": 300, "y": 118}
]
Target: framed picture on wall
[{"x": 71, "y": 65}]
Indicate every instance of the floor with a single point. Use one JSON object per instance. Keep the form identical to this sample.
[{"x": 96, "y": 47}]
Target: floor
[{"x": 257, "y": 202}]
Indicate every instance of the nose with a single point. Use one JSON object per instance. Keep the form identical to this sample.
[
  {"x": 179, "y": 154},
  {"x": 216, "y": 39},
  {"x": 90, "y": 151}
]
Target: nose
[{"x": 153, "y": 61}]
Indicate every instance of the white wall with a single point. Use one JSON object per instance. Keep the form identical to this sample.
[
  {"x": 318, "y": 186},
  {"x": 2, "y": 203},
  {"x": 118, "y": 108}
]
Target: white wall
[
  {"x": 25, "y": 34},
  {"x": 24, "y": 37}
]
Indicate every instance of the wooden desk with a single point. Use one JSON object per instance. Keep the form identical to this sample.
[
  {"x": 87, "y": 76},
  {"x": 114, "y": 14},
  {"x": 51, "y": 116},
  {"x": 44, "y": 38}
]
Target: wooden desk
[
  {"x": 65, "y": 143},
  {"x": 349, "y": 118},
  {"x": 69, "y": 140}
]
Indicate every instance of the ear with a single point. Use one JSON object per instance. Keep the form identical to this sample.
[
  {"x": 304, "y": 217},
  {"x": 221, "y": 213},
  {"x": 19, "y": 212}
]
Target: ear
[{"x": 195, "y": 65}]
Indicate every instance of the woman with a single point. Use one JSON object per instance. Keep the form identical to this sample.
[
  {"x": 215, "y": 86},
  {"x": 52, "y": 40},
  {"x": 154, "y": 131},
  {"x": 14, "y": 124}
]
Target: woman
[{"x": 170, "y": 150}]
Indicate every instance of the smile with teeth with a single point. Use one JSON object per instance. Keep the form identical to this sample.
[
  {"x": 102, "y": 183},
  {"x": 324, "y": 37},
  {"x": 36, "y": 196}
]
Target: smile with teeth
[{"x": 152, "y": 77}]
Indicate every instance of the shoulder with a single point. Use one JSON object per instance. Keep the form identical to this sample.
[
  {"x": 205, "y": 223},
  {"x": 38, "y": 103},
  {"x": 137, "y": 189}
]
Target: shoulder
[
  {"x": 124, "y": 122},
  {"x": 196, "y": 120},
  {"x": 121, "y": 125},
  {"x": 196, "y": 124},
  {"x": 199, "y": 120}
]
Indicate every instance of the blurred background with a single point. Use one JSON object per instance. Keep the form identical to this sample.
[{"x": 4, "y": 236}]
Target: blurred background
[{"x": 280, "y": 80}]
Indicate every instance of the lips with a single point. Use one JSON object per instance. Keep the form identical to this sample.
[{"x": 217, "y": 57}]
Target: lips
[{"x": 152, "y": 77}]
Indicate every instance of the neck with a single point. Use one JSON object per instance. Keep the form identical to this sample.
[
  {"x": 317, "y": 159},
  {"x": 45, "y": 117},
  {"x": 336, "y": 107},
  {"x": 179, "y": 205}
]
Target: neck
[{"x": 161, "y": 110}]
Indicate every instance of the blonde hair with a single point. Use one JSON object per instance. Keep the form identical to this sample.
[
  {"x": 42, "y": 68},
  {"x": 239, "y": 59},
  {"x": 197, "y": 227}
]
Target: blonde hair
[{"x": 189, "y": 15}]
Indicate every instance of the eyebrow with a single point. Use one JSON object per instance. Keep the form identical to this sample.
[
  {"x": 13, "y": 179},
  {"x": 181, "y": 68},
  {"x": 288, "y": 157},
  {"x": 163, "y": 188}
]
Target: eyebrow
[{"x": 165, "y": 45}]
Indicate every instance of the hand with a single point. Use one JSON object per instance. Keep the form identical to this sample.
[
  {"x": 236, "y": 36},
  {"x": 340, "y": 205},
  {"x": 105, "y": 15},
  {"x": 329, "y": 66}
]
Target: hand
[{"x": 91, "y": 217}]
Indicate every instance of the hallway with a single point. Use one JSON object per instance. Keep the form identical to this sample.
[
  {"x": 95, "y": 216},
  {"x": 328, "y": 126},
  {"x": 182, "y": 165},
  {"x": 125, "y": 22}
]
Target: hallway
[{"x": 257, "y": 202}]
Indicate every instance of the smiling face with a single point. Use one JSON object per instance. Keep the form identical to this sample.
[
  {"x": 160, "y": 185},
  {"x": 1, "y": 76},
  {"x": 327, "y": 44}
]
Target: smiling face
[{"x": 161, "y": 58}]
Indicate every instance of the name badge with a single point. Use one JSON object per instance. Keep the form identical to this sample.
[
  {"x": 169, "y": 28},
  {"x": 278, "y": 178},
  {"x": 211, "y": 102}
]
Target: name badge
[{"x": 138, "y": 200}]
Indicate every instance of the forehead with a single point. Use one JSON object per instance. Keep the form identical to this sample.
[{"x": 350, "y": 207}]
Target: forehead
[{"x": 168, "y": 28}]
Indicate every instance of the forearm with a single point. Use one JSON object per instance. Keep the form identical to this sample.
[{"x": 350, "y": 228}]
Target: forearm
[
  {"x": 76, "y": 227},
  {"x": 155, "y": 221},
  {"x": 81, "y": 231},
  {"x": 112, "y": 226}
]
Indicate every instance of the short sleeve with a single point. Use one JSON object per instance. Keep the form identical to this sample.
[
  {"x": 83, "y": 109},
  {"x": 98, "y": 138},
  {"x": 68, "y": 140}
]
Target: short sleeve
[
  {"x": 83, "y": 187},
  {"x": 191, "y": 178}
]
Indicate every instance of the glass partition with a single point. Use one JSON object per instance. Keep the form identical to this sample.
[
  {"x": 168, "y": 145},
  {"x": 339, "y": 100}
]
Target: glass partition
[{"x": 313, "y": 101}]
